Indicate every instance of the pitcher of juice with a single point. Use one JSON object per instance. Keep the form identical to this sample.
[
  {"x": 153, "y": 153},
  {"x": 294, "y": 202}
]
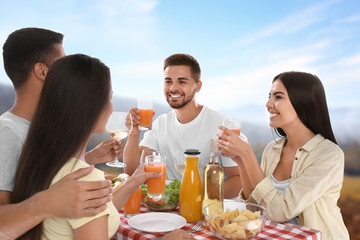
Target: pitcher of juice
[{"x": 191, "y": 190}]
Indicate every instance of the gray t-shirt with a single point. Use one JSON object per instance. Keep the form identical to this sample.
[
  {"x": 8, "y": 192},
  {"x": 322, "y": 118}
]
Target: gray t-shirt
[{"x": 13, "y": 132}]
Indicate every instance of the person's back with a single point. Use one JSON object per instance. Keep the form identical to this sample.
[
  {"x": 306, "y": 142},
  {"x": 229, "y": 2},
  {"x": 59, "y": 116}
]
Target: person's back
[
  {"x": 57, "y": 140},
  {"x": 13, "y": 131},
  {"x": 27, "y": 55}
]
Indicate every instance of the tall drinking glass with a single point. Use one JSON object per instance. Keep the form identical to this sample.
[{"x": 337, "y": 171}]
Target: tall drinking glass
[
  {"x": 179, "y": 162},
  {"x": 145, "y": 105},
  {"x": 155, "y": 186},
  {"x": 233, "y": 125},
  {"x": 147, "y": 152},
  {"x": 116, "y": 128},
  {"x": 132, "y": 205}
]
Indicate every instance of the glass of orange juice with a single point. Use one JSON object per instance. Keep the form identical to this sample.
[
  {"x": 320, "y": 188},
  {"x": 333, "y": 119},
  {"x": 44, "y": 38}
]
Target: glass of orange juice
[
  {"x": 155, "y": 186},
  {"x": 132, "y": 205},
  {"x": 233, "y": 125},
  {"x": 145, "y": 105}
]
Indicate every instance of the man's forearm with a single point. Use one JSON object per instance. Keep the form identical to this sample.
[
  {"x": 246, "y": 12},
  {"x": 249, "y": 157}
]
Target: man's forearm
[
  {"x": 16, "y": 219},
  {"x": 131, "y": 154}
]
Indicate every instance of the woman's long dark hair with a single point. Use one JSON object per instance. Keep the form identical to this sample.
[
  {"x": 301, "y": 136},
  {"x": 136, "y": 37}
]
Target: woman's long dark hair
[
  {"x": 75, "y": 93},
  {"x": 307, "y": 96}
]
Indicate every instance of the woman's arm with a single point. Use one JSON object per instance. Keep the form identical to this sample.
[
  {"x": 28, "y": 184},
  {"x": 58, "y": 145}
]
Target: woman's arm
[
  {"x": 250, "y": 171},
  {"x": 232, "y": 184},
  {"x": 96, "y": 229},
  {"x": 318, "y": 171}
]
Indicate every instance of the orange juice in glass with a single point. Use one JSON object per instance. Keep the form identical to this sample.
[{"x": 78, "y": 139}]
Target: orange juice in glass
[
  {"x": 234, "y": 126},
  {"x": 132, "y": 206},
  {"x": 146, "y": 116},
  {"x": 190, "y": 199},
  {"x": 155, "y": 186},
  {"x": 145, "y": 105}
]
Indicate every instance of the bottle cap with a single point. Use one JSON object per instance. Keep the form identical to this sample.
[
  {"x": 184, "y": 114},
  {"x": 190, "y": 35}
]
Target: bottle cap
[{"x": 192, "y": 152}]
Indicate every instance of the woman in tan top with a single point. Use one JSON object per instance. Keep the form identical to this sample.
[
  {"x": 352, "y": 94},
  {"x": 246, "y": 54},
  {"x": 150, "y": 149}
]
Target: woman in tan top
[{"x": 301, "y": 174}]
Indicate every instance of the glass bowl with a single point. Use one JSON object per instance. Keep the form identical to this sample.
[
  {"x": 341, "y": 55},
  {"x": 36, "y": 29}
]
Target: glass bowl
[
  {"x": 235, "y": 220},
  {"x": 168, "y": 202}
]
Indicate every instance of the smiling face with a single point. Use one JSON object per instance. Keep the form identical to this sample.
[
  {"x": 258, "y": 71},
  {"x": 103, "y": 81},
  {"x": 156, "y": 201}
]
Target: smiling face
[
  {"x": 179, "y": 86},
  {"x": 282, "y": 113}
]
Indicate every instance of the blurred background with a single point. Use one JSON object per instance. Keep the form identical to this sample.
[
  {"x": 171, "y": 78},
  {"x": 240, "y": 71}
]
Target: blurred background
[{"x": 240, "y": 45}]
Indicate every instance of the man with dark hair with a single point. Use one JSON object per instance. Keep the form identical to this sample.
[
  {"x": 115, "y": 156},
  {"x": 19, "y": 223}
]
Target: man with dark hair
[
  {"x": 189, "y": 125},
  {"x": 28, "y": 53}
]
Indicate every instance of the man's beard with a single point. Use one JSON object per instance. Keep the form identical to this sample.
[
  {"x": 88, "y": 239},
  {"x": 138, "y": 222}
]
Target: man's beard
[{"x": 178, "y": 105}]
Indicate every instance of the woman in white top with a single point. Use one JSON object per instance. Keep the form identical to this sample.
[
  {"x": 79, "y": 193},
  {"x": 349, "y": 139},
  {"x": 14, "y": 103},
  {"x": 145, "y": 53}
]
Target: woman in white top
[{"x": 301, "y": 174}]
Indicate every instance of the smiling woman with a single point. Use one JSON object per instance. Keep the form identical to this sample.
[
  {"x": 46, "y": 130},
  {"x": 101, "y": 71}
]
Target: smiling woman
[{"x": 301, "y": 171}]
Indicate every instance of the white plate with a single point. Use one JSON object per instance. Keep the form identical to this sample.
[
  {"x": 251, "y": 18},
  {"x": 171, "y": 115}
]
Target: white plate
[{"x": 157, "y": 222}]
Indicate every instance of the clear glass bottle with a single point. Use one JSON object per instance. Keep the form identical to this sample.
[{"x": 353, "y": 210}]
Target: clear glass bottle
[
  {"x": 213, "y": 179},
  {"x": 190, "y": 190}
]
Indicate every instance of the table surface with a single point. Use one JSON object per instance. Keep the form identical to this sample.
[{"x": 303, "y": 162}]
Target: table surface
[{"x": 272, "y": 230}]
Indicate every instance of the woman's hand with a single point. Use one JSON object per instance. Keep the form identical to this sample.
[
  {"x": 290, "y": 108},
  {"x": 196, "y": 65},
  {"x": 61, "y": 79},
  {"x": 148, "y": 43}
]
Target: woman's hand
[
  {"x": 231, "y": 142},
  {"x": 104, "y": 152},
  {"x": 140, "y": 176}
]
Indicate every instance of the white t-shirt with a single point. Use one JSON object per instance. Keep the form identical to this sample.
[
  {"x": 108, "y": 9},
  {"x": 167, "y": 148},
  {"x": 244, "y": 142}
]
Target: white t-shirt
[
  {"x": 171, "y": 138},
  {"x": 13, "y": 132}
]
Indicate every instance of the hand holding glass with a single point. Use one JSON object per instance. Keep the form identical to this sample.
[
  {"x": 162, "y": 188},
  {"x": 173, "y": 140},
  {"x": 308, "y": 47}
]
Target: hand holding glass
[
  {"x": 234, "y": 126},
  {"x": 116, "y": 128},
  {"x": 145, "y": 105}
]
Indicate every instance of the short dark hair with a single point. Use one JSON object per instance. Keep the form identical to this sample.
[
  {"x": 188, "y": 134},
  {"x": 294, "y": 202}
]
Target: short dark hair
[
  {"x": 76, "y": 92},
  {"x": 307, "y": 96},
  {"x": 187, "y": 60},
  {"x": 26, "y": 47}
]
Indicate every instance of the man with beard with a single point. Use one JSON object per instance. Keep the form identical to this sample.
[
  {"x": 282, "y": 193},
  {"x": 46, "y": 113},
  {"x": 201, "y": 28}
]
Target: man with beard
[{"x": 189, "y": 126}]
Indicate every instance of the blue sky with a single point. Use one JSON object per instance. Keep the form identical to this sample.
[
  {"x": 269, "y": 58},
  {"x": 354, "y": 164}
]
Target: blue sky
[{"x": 241, "y": 45}]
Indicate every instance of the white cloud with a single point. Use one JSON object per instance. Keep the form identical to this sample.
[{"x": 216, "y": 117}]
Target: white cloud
[
  {"x": 349, "y": 19},
  {"x": 250, "y": 85},
  {"x": 138, "y": 77},
  {"x": 290, "y": 24}
]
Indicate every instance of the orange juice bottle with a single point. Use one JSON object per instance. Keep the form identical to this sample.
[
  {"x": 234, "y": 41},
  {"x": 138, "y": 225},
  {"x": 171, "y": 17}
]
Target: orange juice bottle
[
  {"x": 156, "y": 186},
  {"x": 191, "y": 190},
  {"x": 132, "y": 205}
]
